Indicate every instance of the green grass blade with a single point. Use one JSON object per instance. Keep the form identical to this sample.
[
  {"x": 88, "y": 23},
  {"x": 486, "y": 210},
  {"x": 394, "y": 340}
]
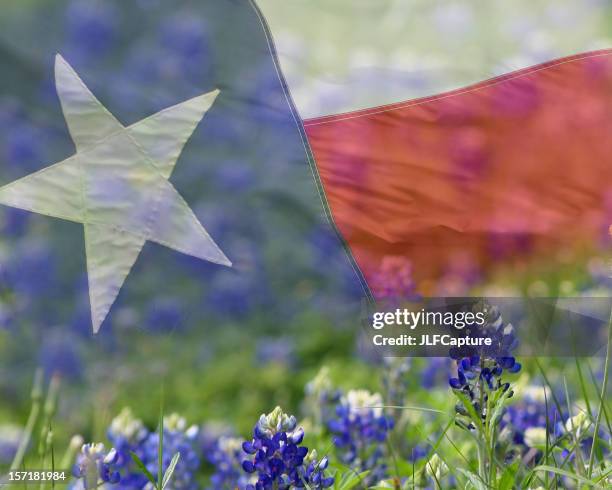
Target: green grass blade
[
  {"x": 143, "y": 468},
  {"x": 547, "y": 448},
  {"x": 604, "y": 389},
  {"x": 37, "y": 393},
  {"x": 583, "y": 388},
  {"x": 552, "y": 389},
  {"x": 170, "y": 470},
  {"x": 567, "y": 474},
  {"x": 474, "y": 479},
  {"x": 597, "y": 390},
  {"x": 160, "y": 453}
]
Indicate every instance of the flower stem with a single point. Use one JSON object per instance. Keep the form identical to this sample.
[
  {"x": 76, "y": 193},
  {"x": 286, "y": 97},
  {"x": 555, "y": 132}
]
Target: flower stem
[
  {"x": 483, "y": 446},
  {"x": 36, "y": 398}
]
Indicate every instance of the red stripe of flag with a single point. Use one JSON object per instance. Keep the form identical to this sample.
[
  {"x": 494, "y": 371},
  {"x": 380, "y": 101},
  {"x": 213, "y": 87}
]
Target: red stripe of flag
[{"x": 514, "y": 168}]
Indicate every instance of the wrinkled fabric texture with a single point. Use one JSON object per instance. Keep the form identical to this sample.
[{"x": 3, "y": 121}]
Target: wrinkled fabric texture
[
  {"x": 512, "y": 168},
  {"x": 117, "y": 186},
  {"x": 344, "y": 55}
]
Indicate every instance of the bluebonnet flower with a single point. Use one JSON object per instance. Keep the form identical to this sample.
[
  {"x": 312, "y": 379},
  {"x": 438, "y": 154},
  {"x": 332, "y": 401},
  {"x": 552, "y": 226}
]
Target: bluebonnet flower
[
  {"x": 164, "y": 314},
  {"x": 325, "y": 244},
  {"x": 211, "y": 432},
  {"x": 24, "y": 147},
  {"x": 477, "y": 377},
  {"x": 579, "y": 431},
  {"x": 95, "y": 466},
  {"x": 395, "y": 382},
  {"x": 14, "y": 221},
  {"x": 278, "y": 459},
  {"x": 177, "y": 61},
  {"x": 127, "y": 434},
  {"x": 226, "y": 456},
  {"x": 321, "y": 398},
  {"x": 575, "y": 436},
  {"x": 417, "y": 452},
  {"x": 33, "y": 271},
  {"x": 436, "y": 370},
  {"x": 178, "y": 438},
  {"x": 233, "y": 295},
  {"x": 484, "y": 369},
  {"x": 360, "y": 430},
  {"x": 502, "y": 335},
  {"x": 531, "y": 413},
  {"x": 599, "y": 272},
  {"x": 7, "y": 312},
  {"x": 10, "y": 113},
  {"x": 90, "y": 26},
  {"x": 535, "y": 437},
  {"x": 578, "y": 425},
  {"x": 260, "y": 86},
  {"x": 480, "y": 369},
  {"x": 56, "y": 356},
  {"x": 351, "y": 284},
  {"x": 312, "y": 475},
  {"x": 10, "y": 435},
  {"x": 186, "y": 38}
]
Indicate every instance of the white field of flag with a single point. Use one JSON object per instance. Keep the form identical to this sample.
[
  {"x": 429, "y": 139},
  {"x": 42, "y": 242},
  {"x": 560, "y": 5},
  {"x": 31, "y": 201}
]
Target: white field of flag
[{"x": 344, "y": 55}]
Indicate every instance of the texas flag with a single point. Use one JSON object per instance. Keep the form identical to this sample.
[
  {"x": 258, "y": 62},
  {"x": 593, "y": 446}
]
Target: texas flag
[{"x": 456, "y": 135}]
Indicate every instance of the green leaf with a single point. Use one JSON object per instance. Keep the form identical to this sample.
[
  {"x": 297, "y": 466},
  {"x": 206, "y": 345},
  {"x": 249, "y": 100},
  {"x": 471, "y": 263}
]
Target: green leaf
[
  {"x": 471, "y": 411},
  {"x": 566, "y": 473},
  {"x": 498, "y": 409},
  {"x": 474, "y": 479},
  {"x": 508, "y": 477},
  {"x": 170, "y": 470},
  {"x": 143, "y": 468},
  {"x": 388, "y": 485},
  {"x": 350, "y": 479}
]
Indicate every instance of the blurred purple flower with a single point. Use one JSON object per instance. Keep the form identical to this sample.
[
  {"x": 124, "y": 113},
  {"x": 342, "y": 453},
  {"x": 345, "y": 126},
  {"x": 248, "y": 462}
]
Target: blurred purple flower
[
  {"x": 278, "y": 350},
  {"x": 531, "y": 412},
  {"x": 23, "y": 147},
  {"x": 91, "y": 27},
  {"x": 59, "y": 355},
  {"x": 236, "y": 176},
  {"x": 32, "y": 270},
  {"x": 226, "y": 457},
  {"x": 324, "y": 242},
  {"x": 210, "y": 432},
  {"x": 96, "y": 466},
  {"x": 186, "y": 35},
  {"x": 10, "y": 435},
  {"x": 360, "y": 432},
  {"x": 164, "y": 315},
  {"x": 128, "y": 434},
  {"x": 435, "y": 372},
  {"x": 14, "y": 221},
  {"x": 178, "y": 438}
]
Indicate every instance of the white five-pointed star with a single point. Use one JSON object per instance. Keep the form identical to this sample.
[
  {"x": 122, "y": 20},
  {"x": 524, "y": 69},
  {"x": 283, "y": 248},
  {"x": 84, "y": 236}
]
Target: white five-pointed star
[{"x": 116, "y": 185}]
